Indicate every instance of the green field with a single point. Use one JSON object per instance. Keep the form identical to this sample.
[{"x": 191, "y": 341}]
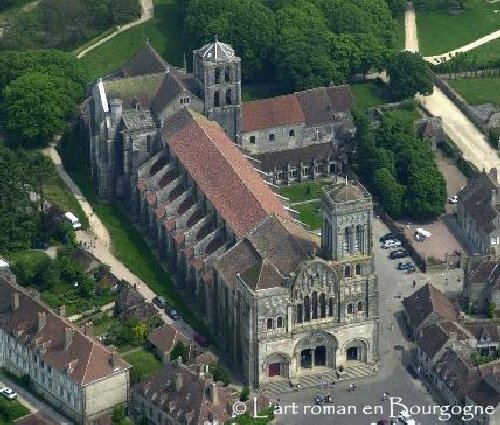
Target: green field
[
  {"x": 487, "y": 52},
  {"x": 367, "y": 95},
  {"x": 478, "y": 90},
  {"x": 440, "y": 31},
  {"x": 164, "y": 32},
  {"x": 310, "y": 214},
  {"x": 143, "y": 362},
  {"x": 299, "y": 192},
  {"x": 33, "y": 258}
]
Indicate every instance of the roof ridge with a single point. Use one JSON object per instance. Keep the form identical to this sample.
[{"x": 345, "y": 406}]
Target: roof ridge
[{"x": 88, "y": 363}]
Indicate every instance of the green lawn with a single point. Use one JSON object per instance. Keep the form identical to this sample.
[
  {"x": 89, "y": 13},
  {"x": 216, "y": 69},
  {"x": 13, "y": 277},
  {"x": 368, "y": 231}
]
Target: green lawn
[
  {"x": 487, "y": 52},
  {"x": 10, "y": 410},
  {"x": 367, "y": 95},
  {"x": 440, "y": 32},
  {"x": 164, "y": 32},
  {"x": 34, "y": 258},
  {"x": 103, "y": 324},
  {"x": 299, "y": 192},
  {"x": 310, "y": 214},
  {"x": 143, "y": 362},
  {"x": 478, "y": 90}
]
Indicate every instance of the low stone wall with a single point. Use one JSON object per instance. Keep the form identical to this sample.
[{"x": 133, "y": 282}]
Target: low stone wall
[{"x": 461, "y": 104}]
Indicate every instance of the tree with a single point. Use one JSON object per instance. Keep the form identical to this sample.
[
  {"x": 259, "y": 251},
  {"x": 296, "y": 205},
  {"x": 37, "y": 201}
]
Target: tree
[
  {"x": 180, "y": 350},
  {"x": 36, "y": 106},
  {"x": 118, "y": 415},
  {"x": 140, "y": 332},
  {"x": 395, "y": 6},
  {"x": 409, "y": 75},
  {"x": 219, "y": 373},
  {"x": 492, "y": 310},
  {"x": 245, "y": 393},
  {"x": 390, "y": 192}
]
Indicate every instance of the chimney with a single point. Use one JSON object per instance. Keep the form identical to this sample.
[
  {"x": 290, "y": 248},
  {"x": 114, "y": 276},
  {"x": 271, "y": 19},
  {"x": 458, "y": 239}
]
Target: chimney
[
  {"x": 15, "y": 301},
  {"x": 42, "y": 320},
  {"x": 179, "y": 381},
  {"x": 62, "y": 310},
  {"x": 214, "y": 394},
  {"x": 68, "y": 337}
]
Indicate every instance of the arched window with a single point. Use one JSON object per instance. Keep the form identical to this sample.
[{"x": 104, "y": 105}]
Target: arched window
[
  {"x": 322, "y": 306},
  {"x": 216, "y": 99},
  {"x": 217, "y": 76},
  {"x": 358, "y": 269},
  {"x": 314, "y": 307},
  {"x": 148, "y": 143},
  {"x": 357, "y": 238},
  {"x": 279, "y": 322},
  {"x": 226, "y": 74},
  {"x": 269, "y": 323},
  {"x": 229, "y": 100},
  {"x": 360, "y": 306},
  {"x": 347, "y": 271},
  {"x": 307, "y": 309},
  {"x": 350, "y": 308},
  {"x": 291, "y": 133},
  {"x": 347, "y": 240},
  {"x": 298, "y": 318},
  {"x": 252, "y": 139},
  {"x": 330, "y": 307}
]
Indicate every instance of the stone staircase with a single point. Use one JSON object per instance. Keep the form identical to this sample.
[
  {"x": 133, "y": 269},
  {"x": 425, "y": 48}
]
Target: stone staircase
[{"x": 314, "y": 380}]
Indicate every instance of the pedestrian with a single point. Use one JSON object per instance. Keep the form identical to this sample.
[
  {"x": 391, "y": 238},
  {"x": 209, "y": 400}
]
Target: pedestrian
[
  {"x": 385, "y": 396},
  {"x": 338, "y": 374},
  {"x": 351, "y": 388},
  {"x": 414, "y": 283}
]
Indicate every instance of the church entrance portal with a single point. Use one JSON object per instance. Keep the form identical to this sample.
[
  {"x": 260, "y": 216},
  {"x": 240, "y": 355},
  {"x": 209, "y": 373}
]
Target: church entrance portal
[
  {"x": 274, "y": 370},
  {"x": 352, "y": 353},
  {"x": 320, "y": 356},
  {"x": 306, "y": 358}
]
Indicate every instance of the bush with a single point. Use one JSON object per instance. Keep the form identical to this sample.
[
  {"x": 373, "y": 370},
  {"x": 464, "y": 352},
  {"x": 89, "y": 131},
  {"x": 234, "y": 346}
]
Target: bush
[
  {"x": 245, "y": 393},
  {"x": 118, "y": 415},
  {"x": 180, "y": 350},
  {"x": 219, "y": 373}
]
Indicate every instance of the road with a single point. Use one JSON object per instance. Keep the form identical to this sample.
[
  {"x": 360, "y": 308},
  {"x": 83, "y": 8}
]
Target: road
[
  {"x": 394, "y": 285},
  {"x": 33, "y": 403},
  {"x": 99, "y": 236},
  {"x": 456, "y": 125},
  {"x": 147, "y": 11}
]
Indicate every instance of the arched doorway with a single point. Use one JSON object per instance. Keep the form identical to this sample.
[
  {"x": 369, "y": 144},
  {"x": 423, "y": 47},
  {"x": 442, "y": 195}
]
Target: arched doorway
[
  {"x": 276, "y": 366},
  {"x": 317, "y": 349},
  {"x": 356, "y": 350}
]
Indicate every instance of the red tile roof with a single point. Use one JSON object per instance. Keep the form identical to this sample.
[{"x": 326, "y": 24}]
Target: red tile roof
[
  {"x": 222, "y": 173},
  {"x": 274, "y": 112}
]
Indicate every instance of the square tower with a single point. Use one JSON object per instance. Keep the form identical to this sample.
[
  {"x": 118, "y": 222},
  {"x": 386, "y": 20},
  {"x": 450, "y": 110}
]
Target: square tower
[{"x": 217, "y": 73}]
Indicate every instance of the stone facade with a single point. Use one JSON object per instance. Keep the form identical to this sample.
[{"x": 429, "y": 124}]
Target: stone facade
[{"x": 482, "y": 287}]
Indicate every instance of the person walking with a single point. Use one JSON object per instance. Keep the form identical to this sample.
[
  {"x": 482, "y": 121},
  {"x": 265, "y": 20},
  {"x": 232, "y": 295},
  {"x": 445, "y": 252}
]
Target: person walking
[
  {"x": 351, "y": 388},
  {"x": 414, "y": 283}
]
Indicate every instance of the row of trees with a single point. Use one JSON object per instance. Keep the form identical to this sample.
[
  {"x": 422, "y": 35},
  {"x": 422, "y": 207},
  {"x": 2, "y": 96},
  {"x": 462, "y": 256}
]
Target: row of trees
[
  {"x": 39, "y": 90},
  {"x": 64, "y": 24},
  {"x": 306, "y": 42},
  {"x": 399, "y": 167}
]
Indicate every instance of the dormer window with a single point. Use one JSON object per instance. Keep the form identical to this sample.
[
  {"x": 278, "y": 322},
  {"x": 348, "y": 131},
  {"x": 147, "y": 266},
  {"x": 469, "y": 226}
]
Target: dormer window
[{"x": 184, "y": 100}]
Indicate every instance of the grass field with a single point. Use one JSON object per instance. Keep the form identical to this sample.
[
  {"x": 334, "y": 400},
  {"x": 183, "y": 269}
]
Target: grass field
[
  {"x": 487, "y": 52},
  {"x": 310, "y": 214},
  {"x": 300, "y": 192},
  {"x": 367, "y": 95},
  {"x": 478, "y": 90},
  {"x": 144, "y": 362},
  {"x": 164, "y": 32},
  {"x": 440, "y": 31},
  {"x": 34, "y": 258}
]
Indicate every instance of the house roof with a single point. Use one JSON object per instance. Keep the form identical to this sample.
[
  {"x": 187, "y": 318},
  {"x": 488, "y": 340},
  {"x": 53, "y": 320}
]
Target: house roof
[
  {"x": 170, "y": 88},
  {"x": 484, "y": 272},
  {"x": 425, "y": 301},
  {"x": 221, "y": 171},
  {"x": 275, "y": 248},
  {"x": 484, "y": 331},
  {"x": 476, "y": 199},
  {"x": 84, "y": 360},
  {"x": 310, "y": 107},
  {"x": 165, "y": 338},
  {"x": 436, "y": 335},
  {"x": 280, "y": 159},
  {"x": 145, "y": 61}
]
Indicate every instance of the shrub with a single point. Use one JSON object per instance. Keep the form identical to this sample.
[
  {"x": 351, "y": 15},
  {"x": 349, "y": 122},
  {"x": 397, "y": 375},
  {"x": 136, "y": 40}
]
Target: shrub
[
  {"x": 179, "y": 350},
  {"x": 219, "y": 373},
  {"x": 245, "y": 393},
  {"x": 118, "y": 415}
]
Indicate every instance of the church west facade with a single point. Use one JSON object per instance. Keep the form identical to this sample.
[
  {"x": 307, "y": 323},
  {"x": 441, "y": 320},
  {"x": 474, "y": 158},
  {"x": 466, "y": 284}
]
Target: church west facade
[{"x": 283, "y": 302}]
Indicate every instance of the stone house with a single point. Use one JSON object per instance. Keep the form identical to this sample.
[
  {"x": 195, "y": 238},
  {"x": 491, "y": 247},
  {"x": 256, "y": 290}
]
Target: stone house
[
  {"x": 69, "y": 369},
  {"x": 297, "y": 137},
  {"x": 431, "y": 128},
  {"x": 162, "y": 340},
  {"x": 482, "y": 286},
  {"x": 427, "y": 306},
  {"x": 478, "y": 212}
]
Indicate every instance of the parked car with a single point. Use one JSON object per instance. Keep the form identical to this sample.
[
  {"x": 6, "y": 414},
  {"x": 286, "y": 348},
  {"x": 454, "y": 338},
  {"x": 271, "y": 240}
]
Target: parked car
[
  {"x": 453, "y": 199},
  {"x": 201, "y": 340},
  {"x": 405, "y": 265},
  {"x": 400, "y": 253},
  {"x": 388, "y": 236},
  {"x": 391, "y": 243},
  {"x": 8, "y": 393},
  {"x": 173, "y": 314},
  {"x": 160, "y": 302}
]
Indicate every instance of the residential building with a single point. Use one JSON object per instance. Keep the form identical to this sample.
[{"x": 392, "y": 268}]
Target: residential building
[
  {"x": 69, "y": 369},
  {"x": 162, "y": 340},
  {"x": 482, "y": 286},
  {"x": 478, "y": 212}
]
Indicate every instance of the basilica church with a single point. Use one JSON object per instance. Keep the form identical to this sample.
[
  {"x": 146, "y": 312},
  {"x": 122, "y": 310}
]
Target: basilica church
[{"x": 283, "y": 302}]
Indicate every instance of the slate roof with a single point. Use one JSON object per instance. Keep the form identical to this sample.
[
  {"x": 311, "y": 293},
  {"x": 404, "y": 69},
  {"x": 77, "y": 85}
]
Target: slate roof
[
  {"x": 134, "y": 119},
  {"x": 221, "y": 171},
  {"x": 476, "y": 200},
  {"x": 425, "y": 301},
  {"x": 260, "y": 258},
  {"x": 311, "y": 107},
  {"x": 145, "y": 61},
  {"x": 170, "y": 88},
  {"x": 436, "y": 335},
  {"x": 84, "y": 360},
  {"x": 280, "y": 159}
]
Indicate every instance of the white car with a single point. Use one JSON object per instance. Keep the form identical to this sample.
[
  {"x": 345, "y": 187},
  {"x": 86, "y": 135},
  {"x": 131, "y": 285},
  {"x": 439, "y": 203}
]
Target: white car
[
  {"x": 405, "y": 417},
  {"x": 453, "y": 199},
  {"x": 8, "y": 393},
  {"x": 391, "y": 243}
]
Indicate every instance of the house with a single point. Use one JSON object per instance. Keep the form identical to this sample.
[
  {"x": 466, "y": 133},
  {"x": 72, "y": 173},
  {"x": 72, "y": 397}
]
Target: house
[
  {"x": 478, "y": 212},
  {"x": 486, "y": 338},
  {"x": 162, "y": 340},
  {"x": 482, "y": 287},
  {"x": 427, "y": 306},
  {"x": 67, "y": 368}
]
